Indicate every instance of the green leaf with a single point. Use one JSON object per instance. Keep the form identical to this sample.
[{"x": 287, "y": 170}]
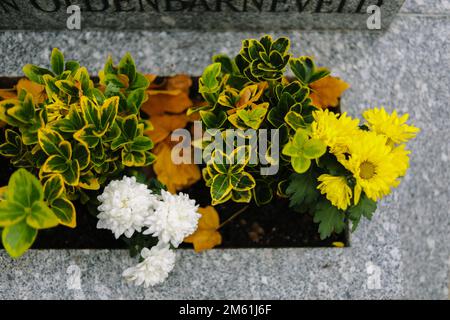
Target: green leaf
[
  {"x": 135, "y": 100},
  {"x": 295, "y": 120},
  {"x": 11, "y": 213},
  {"x": 64, "y": 211},
  {"x": 365, "y": 208},
  {"x": 130, "y": 127},
  {"x": 24, "y": 111},
  {"x": 82, "y": 76},
  {"x": 55, "y": 164},
  {"x": 41, "y": 216},
  {"x": 72, "y": 122},
  {"x": 91, "y": 113},
  {"x": 213, "y": 119},
  {"x": 87, "y": 136},
  {"x": 227, "y": 65},
  {"x": 108, "y": 112},
  {"x": 209, "y": 80},
  {"x": 53, "y": 188},
  {"x": 254, "y": 117},
  {"x": 330, "y": 219},
  {"x": 68, "y": 87},
  {"x": 277, "y": 115},
  {"x": 302, "y": 189},
  {"x": 241, "y": 196},
  {"x": 220, "y": 187},
  {"x": 281, "y": 45},
  {"x": 305, "y": 70},
  {"x": 314, "y": 148},
  {"x": 57, "y": 61},
  {"x": 127, "y": 67},
  {"x": 82, "y": 155},
  {"x": 300, "y": 164},
  {"x": 18, "y": 238},
  {"x": 72, "y": 66},
  {"x": 49, "y": 141},
  {"x": 242, "y": 181},
  {"x": 141, "y": 143},
  {"x": 35, "y": 73},
  {"x": 24, "y": 188},
  {"x": 66, "y": 149},
  {"x": 133, "y": 158},
  {"x": 140, "y": 82},
  {"x": 72, "y": 175}
]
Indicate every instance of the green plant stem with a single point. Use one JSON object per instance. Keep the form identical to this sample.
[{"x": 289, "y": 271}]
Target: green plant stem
[{"x": 233, "y": 216}]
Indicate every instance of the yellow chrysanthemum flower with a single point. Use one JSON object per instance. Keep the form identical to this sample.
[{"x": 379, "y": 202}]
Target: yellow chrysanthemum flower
[
  {"x": 401, "y": 159},
  {"x": 374, "y": 165},
  {"x": 390, "y": 125},
  {"x": 334, "y": 130},
  {"x": 336, "y": 190}
]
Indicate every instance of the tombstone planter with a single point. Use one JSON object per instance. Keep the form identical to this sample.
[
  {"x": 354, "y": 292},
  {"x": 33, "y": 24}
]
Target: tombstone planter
[
  {"x": 258, "y": 257},
  {"x": 85, "y": 147}
]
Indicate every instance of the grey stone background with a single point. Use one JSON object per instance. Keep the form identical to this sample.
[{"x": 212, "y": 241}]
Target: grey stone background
[
  {"x": 402, "y": 253},
  {"x": 128, "y": 14}
]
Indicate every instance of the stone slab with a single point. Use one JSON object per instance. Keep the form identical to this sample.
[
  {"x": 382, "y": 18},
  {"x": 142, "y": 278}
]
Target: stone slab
[
  {"x": 196, "y": 14},
  {"x": 402, "y": 253},
  {"x": 438, "y": 7}
]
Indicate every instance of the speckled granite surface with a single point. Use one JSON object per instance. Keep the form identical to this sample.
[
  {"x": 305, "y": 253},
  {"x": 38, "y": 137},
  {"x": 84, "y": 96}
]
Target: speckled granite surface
[
  {"x": 427, "y": 6},
  {"x": 402, "y": 253}
]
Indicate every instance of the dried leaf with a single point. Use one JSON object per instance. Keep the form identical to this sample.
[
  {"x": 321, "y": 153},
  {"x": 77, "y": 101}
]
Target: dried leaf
[
  {"x": 161, "y": 101},
  {"x": 206, "y": 237},
  {"x": 151, "y": 78},
  {"x": 37, "y": 90},
  {"x": 174, "y": 176},
  {"x": 327, "y": 91},
  {"x": 180, "y": 82},
  {"x": 163, "y": 125},
  {"x": 7, "y": 94}
]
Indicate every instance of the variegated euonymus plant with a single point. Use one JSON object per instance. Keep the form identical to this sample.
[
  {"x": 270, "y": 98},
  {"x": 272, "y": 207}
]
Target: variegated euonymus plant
[
  {"x": 330, "y": 165},
  {"x": 81, "y": 136},
  {"x": 251, "y": 92}
]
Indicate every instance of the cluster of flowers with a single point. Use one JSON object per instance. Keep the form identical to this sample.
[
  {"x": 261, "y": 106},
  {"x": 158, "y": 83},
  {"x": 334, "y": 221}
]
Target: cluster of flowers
[
  {"x": 375, "y": 153},
  {"x": 128, "y": 206}
]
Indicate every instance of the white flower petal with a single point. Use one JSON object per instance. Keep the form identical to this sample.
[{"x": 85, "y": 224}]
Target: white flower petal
[
  {"x": 125, "y": 204},
  {"x": 175, "y": 217}
]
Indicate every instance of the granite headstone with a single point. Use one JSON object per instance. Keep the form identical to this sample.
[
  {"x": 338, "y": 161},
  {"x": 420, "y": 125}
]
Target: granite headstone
[{"x": 197, "y": 14}]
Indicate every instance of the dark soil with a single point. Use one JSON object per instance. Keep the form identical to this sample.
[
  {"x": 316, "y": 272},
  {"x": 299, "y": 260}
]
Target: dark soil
[{"x": 273, "y": 225}]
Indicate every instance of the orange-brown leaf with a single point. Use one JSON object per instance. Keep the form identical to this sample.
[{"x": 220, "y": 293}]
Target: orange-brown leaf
[
  {"x": 206, "y": 237},
  {"x": 161, "y": 101},
  {"x": 174, "y": 176},
  {"x": 151, "y": 77},
  {"x": 164, "y": 124},
  {"x": 327, "y": 91},
  {"x": 7, "y": 94},
  {"x": 180, "y": 82},
  {"x": 36, "y": 90}
]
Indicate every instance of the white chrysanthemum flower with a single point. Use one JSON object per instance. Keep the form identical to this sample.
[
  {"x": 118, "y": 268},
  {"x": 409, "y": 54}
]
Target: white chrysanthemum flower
[
  {"x": 125, "y": 206},
  {"x": 157, "y": 264},
  {"x": 175, "y": 217}
]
